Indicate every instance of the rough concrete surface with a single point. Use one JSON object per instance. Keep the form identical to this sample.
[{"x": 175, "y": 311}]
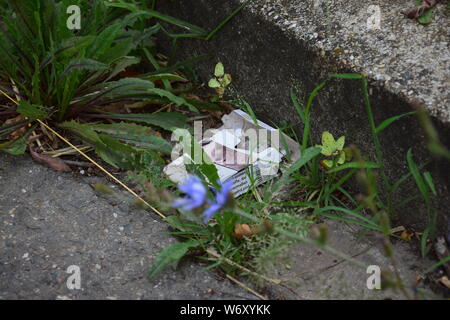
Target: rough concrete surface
[
  {"x": 50, "y": 221},
  {"x": 275, "y": 45},
  {"x": 405, "y": 57},
  {"x": 316, "y": 274}
]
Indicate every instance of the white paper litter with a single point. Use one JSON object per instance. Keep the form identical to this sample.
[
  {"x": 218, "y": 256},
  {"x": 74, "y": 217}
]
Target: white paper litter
[{"x": 241, "y": 150}]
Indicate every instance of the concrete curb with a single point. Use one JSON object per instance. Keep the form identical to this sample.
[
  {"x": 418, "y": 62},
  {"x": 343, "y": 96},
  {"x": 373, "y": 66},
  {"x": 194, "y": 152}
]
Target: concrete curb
[{"x": 267, "y": 57}]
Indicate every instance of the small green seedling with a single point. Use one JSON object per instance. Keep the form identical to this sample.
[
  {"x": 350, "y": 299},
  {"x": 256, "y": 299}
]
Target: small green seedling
[
  {"x": 427, "y": 17},
  {"x": 332, "y": 148},
  {"x": 220, "y": 81}
]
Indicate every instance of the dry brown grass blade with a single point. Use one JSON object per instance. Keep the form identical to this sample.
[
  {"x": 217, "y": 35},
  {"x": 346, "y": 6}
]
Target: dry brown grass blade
[{"x": 242, "y": 285}]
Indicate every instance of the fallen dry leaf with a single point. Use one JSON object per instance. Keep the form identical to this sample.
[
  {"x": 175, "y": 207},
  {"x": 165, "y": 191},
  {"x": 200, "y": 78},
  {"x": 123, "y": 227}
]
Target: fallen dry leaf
[
  {"x": 243, "y": 230},
  {"x": 54, "y": 163},
  {"x": 407, "y": 236},
  {"x": 19, "y": 132},
  {"x": 445, "y": 281}
]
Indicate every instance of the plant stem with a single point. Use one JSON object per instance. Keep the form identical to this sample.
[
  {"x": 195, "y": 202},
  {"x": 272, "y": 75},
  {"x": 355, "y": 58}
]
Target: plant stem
[{"x": 376, "y": 140}]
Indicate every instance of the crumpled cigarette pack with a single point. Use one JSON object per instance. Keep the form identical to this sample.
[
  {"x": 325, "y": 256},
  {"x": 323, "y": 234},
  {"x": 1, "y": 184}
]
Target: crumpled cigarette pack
[{"x": 248, "y": 152}]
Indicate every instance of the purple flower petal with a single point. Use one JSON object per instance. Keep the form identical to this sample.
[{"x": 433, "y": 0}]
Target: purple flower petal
[
  {"x": 220, "y": 200},
  {"x": 195, "y": 194},
  {"x": 210, "y": 212}
]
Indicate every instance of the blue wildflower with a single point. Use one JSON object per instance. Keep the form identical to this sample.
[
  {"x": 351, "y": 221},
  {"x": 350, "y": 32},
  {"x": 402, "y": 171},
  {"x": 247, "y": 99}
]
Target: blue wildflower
[
  {"x": 195, "y": 191},
  {"x": 221, "y": 199}
]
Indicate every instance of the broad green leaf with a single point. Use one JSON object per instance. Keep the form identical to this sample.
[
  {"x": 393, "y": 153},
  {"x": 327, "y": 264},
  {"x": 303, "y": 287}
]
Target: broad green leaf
[
  {"x": 427, "y": 17},
  {"x": 136, "y": 135},
  {"x": 122, "y": 64},
  {"x": 16, "y": 147},
  {"x": 31, "y": 111},
  {"x": 202, "y": 164},
  {"x": 74, "y": 45},
  {"x": 166, "y": 120},
  {"x": 207, "y": 168},
  {"x": 123, "y": 128},
  {"x": 129, "y": 84},
  {"x": 328, "y": 163},
  {"x": 109, "y": 149},
  {"x": 213, "y": 83},
  {"x": 196, "y": 31},
  {"x": 340, "y": 143},
  {"x": 104, "y": 41},
  {"x": 328, "y": 144},
  {"x": 84, "y": 64},
  {"x": 125, "y": 88},
  {"x": 129, "y": 88},
  {"x": 340, "y": 160},
  {"x": 148, "y": 142},
  {"x": 342, "y": 157},
  {"x": 119, "y": 154},
  {"x": 121, "y": 48},
  {"x": 327, "y": 139},
  {"x": 172, "y": 255},
  {"x": 226, "y": 80},
  {"x": 83, "y": 131},
  {"x": 219, "y": 70}
]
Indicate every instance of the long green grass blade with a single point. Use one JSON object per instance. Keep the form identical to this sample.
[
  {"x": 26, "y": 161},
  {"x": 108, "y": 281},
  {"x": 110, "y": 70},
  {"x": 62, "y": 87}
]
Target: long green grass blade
[{"x": 389, "y": 121}]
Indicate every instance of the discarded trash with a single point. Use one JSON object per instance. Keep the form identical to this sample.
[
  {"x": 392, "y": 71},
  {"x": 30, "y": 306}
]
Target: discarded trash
[{"x": 249, "y": 153}]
